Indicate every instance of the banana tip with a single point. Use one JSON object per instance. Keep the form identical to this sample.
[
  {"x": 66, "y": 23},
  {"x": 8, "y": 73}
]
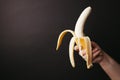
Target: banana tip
[
  {"x": 89, "y": 7},
  {"x": 73, "y": 65},
  {"x": 90, "y": 66},
  {"x": 56, "y": 48}
]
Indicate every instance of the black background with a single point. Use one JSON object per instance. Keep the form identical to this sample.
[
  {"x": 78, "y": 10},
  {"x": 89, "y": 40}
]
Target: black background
[{"x": 28, "y": 35}]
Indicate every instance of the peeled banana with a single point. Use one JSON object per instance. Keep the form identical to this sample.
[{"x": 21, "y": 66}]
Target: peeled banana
[{"x": 79, "y": 38}]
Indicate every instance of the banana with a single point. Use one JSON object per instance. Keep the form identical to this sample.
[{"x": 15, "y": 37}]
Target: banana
[{"x": 79, "y": 38}]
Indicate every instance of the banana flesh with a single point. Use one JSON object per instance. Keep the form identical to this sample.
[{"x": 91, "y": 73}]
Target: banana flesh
[{"x": 79, "y": 39}]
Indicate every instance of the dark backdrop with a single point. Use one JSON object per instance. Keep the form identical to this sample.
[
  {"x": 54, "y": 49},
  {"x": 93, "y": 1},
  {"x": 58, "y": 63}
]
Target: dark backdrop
[{"x": 28, "y": 35}]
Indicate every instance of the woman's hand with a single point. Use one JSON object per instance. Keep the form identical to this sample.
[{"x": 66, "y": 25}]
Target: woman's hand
[
  {"x": 107, "y": 63},
  {"x": 97, "y": 53}
]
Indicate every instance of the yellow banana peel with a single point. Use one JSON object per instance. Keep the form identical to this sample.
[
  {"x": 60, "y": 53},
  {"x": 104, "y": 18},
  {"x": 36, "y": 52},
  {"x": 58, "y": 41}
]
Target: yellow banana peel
[{"x": 82, "y": 41}]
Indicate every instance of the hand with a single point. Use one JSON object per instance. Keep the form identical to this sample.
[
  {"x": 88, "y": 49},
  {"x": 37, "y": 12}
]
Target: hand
[{"x": 97, "y": 53}]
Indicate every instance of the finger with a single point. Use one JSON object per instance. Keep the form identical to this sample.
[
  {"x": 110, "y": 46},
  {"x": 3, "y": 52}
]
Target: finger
[
  {"x": 76, "y": 48},
  {"x": 84, "y": 57},
  {"x": 98, "y": 56},
  {"x": 98, "y": 59},
  {"x": 97, "y": 53},
  {"x": 95, "y": 50},
  {"x": 94, "y": 45},
  {"x": 83, "y": 54}
]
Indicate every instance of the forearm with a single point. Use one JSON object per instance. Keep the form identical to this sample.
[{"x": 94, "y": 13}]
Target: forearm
[{"x": 111, "y": 67}]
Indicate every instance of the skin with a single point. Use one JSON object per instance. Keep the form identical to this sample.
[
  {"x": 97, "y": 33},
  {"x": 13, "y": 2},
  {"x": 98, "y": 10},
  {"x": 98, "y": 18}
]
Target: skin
[{"x": 104, "y": 60}]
